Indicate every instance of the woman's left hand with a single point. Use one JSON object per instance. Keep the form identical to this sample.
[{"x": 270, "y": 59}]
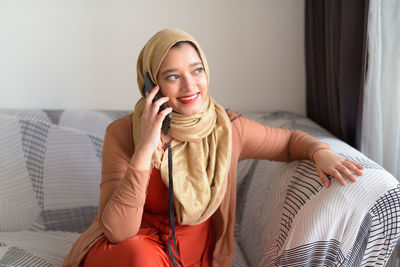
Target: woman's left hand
[{"x": 329, "y": 163}]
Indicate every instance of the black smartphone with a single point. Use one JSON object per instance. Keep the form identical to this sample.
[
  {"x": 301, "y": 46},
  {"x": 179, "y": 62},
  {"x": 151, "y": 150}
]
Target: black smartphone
[{"x": 148, "y": 85}]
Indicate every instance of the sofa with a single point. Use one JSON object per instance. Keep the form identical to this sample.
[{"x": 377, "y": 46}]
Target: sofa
[{"x": 50, "y": 170}]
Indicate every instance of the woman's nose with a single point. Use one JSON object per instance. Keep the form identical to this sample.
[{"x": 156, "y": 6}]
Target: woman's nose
[{"x": 188, "y": 83}]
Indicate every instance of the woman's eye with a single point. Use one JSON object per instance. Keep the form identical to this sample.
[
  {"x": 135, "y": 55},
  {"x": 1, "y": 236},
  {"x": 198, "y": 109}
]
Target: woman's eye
[
  {"x": 199, "y": 70},
  {"x": 172, "y": 77}
]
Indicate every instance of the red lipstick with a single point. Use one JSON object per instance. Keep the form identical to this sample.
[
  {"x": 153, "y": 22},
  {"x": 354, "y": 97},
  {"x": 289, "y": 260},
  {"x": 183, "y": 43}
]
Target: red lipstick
[{"x": 189, "y": 99}]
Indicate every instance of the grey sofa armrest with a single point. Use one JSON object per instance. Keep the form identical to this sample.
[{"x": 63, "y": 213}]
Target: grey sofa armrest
[{"x": 286, "y": 217}]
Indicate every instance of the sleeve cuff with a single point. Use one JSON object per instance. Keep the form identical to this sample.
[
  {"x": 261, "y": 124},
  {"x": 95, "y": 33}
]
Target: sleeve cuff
[{"x": 322, "y": 146}]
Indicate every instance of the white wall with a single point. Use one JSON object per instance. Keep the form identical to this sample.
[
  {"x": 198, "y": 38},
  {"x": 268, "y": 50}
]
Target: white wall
[{"x": 82, "y": 53}]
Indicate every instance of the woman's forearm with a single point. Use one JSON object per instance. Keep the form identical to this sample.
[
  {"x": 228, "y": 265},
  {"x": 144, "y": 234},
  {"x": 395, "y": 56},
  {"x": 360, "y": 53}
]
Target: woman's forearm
[{"x": 121, "y": 215}]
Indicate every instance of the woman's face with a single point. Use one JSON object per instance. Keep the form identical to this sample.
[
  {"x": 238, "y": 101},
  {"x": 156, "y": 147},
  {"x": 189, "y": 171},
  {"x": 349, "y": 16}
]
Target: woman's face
[{"x": 182, "y": 78}]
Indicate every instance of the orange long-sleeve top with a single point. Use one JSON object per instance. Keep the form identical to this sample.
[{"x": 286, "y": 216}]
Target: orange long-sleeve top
[{"x": 123, "y": 188}]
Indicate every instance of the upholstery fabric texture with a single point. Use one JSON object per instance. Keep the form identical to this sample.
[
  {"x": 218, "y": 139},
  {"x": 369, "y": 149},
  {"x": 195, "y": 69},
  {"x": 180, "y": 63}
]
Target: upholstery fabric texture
[{"x": 49, "y": 185}]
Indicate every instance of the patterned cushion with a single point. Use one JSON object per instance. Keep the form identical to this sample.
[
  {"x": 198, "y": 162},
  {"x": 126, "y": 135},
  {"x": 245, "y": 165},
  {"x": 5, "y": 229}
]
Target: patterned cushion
[
  {"x": 27, "y": 248},
  {"x": 19, "y": 206},
  {"x": 61, "y": 155}
]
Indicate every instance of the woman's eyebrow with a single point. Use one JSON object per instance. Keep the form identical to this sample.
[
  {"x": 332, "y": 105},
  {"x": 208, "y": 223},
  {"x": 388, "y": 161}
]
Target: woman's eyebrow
[
  {"x": 174, "y": 70},
  {"x": 168, "y": 71},
  {"x": 196, "y": 64}
]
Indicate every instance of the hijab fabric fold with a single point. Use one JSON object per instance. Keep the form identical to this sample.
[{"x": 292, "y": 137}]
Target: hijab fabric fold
[{"x": 201, "y": 143}]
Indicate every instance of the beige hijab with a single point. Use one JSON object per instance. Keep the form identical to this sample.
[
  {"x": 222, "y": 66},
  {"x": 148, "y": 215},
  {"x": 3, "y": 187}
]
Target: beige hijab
[{"x": 201, "y": 143}]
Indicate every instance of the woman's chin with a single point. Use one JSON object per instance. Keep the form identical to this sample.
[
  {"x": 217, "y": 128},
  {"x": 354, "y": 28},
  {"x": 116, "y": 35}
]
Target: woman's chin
[{"x": 189, "y": 109}]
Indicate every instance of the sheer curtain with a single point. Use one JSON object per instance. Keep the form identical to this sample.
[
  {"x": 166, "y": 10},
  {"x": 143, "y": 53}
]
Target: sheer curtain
[{"x": 380, "y": 135}]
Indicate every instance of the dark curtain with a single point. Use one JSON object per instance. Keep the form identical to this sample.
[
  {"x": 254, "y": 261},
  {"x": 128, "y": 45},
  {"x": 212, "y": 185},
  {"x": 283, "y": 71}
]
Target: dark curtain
[{"x": 335, "y": 33}]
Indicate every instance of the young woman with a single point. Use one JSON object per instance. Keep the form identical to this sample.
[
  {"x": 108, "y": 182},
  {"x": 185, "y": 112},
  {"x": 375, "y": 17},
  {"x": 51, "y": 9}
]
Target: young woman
[{"x": 133, "y": 226}]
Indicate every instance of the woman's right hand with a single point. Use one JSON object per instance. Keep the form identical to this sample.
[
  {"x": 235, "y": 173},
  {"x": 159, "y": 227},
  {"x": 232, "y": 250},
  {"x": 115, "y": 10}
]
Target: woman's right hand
[{"x": 150, "y": 124}]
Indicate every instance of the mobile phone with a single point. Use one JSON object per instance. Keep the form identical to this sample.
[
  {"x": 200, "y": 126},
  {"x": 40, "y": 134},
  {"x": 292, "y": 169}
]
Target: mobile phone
[{"x": 148, "y": 85}]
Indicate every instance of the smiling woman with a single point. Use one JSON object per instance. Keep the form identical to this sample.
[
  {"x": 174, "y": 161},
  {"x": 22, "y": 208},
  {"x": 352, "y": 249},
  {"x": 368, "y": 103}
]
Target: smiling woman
[
  {"x": 135, "y": 225},
  {"x": 182, "y": 78}
]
